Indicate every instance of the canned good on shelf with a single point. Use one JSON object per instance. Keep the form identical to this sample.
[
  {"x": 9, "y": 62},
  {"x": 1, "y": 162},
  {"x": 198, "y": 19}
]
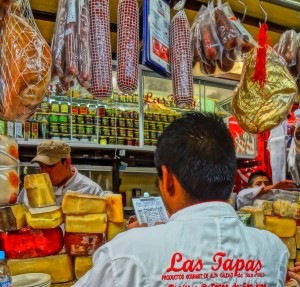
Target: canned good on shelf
[
  {"x": 133, "y": 114},
  {"x": 163, "y": 118},
  {"x": 129, "y": 98},
  {"x": 64, "y": 107},
  {"x": 130, "y": 133},
  {"x": 136, "y": 124},
  {"x": 109, "y": 112},
  {"x": 136, "y": 143},
  {"x": 112, "y": 140},
  {"x": 122, "y": 132},
  {"x": 94, "y": 139},
  {"x": 88, "y": 120},
  {"x": 136, "y": 133},
  {"x": 159, "y": 127},
  {"x": 122, "y": 123},
  {"x": 135, "y": 98},
  {"x": 113, "y": 122},
  {"x": 153, "y": 135},
  {"x": 92, "y": 110},
  {"x": 105, "y": 131},
  {"x": 153, "y": 142},
  {"x": 81, "y": 129},
  {"x": 63, "y": 119},
  {"x": 103, "y": 140},
  {"x": 80, "y": 120},
  {"x": 156, "y": 117},
  {"x": 101, "y": 111},
  {"x": 74, "y": 129},
  {"x": 54, "y": 128},
  {"x": 146, "y": 135},
  {"x": 130, "y": 141},
  {"x": 146, "y": 125},
  {"x": 118, "y": 113},
  {"x": 129, "y": 123},
  {"x": 120, "y": 141},
  {"x": 152, "y": 126},
  {"x": 83, "y": 110},
  {"x": 114, "y": 132},
  {"x": 170, "y": 118},
  {"x": 74, "y": 119},
  {"x": 64, "y": 128},
  {"x": 105, "y": 121},
  {"x": 166, "y": 125},
  {"x": 125, "y": 114},
  {"x": 54, "y": 107},
  {"x": 89, "y": 130},
  {"x": 122, "y": 98},
  {"x": 75, "y": 109},
  {"x": 148, "y": 116},
  {"x": 158, "y": 134},
  {"x": 147, "y": 142},
  {"x": 53, "y": 118}
]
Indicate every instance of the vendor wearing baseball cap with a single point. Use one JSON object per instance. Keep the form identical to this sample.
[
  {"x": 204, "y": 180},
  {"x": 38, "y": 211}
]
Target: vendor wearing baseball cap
[{"x": 54, "y": 158}]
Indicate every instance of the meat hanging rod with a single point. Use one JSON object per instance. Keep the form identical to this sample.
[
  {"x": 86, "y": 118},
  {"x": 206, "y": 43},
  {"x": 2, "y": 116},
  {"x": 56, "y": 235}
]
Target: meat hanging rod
[{"x": 290, "y": 4}]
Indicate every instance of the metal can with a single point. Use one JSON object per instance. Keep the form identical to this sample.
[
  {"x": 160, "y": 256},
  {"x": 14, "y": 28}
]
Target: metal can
[
  {"x": 53, "y": 118},
  {"x": 130, "y": 142},
  {"x": 64, "y": 107},
  {"x": 75, "y": 109},
  {"x": 153, "y": 135},
  {"x": 63, "y": 119},
  {"x": 148, "y": 116},
  {"x": 146, "y": 135},
  {"x": 122, "y": 132},
  {"x": 101, "y": 111},
  {"x": 64, "y": 128},
  {"x": 83, "y": 110},
  {"x": 54, "y": 128},
  {"x": 92, "y": 110},
  {"x": 73, "y": 119},
  {"x": 147, "y": 142},
  {"x": 156, "y": 117},
  {"x": 121, "y": 141},
  {"x": 122, "y": 123},
  {"x": 146, "y": 125},
  {"x": 136, "y": 124},
  {"x": 109, "y": 112},
  {"x": 88, "y": 120},
  {"x": 135, "y": 98},
  {"x": 152, "y": 126},
  {"x": 89, "y": 130},
  {"x": 136, "y": 134},
  {"x": 125, "y": 114},
  {"x": 114, "y": 132},
  {"x": 112, "y": 140},
  {"x": 118, "y": 113},
  {"x": 103, "y": 140},
  {"x": 136, "y": 143},
  {"x": 81, "y": 129},
  {"x": 113, "y": 122},
  {"x": 133, "y": 114},
  {"x": 105, "y": 131},
  {"x": 130, "y": 133},
  {"x": 74, "y": 129},
  {"x": 80, "y": 120},
  {"x": 153, "y": 142},
  {"x": 170, "y": 118},
  {"x": 129, "y": 123},
  {"x": 105, "y": 121}
]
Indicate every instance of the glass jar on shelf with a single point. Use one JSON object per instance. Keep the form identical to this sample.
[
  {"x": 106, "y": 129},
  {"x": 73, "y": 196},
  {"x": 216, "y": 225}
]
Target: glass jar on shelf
[
  {"x": 64, "y": 107},
  {"x": 54, "y": 107}
]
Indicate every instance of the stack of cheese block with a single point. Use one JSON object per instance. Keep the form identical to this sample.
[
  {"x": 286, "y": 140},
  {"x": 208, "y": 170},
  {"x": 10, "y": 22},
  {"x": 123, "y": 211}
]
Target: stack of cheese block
[
  {"x": 280, "y": 217},
  {"x": 33, "y": 238}
]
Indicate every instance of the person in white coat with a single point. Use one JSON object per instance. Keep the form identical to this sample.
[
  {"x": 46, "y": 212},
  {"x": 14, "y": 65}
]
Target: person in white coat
[
  {"x": 260, "y": 187},
  {"x": 204, "y": 243},
  {"x": 54, "y": 158}
]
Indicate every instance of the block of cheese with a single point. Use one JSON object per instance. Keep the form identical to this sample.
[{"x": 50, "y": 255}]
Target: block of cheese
[
  {"x": 282, "y": 227},
  {"x": 44, "y": 217},
  {"x": 82, "y": 265},
  {"x": 82, "y": 244},
  {"x": 257, "y": 214},
  {"x": 115, "y": 208},
  {"x": 298, "y": 237},
  {"x": 88, "y": 223},
  {"x": 265, "y": 205},
  {"x": 28, "y": 242},
  {"x": 39, "y": 190},
  {"x": 297, "y": 256},
  {"x": 12, "y": 217},
  {"x": 286, "y": 208},
  {"x": 78, "y": 203},
  {"x": 59, "y": 267},
  {"x": 290, "y": 243},
  {"x": 114, "y": 228}
]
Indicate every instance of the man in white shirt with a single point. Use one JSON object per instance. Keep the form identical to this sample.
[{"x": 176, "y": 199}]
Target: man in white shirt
[
  {"x": 204, "y": 243},
  {"x": 54, "y": 158},
  {"x": 260, "y": 187}
]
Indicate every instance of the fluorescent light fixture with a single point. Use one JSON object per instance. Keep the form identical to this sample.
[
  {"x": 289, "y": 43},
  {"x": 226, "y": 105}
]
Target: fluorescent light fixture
[{"x": 290, "y": 4}]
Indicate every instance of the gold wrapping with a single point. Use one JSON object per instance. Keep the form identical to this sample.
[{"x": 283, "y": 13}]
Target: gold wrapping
[{"x": 260, "y": 109}]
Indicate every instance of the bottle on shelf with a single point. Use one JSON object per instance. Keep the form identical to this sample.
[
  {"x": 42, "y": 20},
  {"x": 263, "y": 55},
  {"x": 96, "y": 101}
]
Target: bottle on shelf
[
  {"x": 44, "y": 128},
  {"x": 5, "y": 273},
  {"x": 34, "y": 128}
]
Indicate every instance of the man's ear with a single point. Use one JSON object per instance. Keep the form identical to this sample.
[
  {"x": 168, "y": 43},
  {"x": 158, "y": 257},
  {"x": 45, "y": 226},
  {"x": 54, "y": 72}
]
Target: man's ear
[{"x": 167, "y": 181}]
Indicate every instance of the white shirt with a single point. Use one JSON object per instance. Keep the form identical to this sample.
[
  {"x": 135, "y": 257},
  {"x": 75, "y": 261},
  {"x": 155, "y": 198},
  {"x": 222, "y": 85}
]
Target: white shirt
[
  {"x": 247, "y": 196},
  {"x": 197, "y": 239},
  {"x": 78, "y": 182}
]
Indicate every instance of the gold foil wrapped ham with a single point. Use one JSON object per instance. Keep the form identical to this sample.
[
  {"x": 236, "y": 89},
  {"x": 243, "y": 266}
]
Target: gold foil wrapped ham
[
  {"x": 25, "y": 68},
  {"x": 259, "y": 109}
]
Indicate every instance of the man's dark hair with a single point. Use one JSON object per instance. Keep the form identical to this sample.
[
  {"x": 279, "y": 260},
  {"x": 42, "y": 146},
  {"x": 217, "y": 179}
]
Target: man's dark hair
[
  {"x": 255, "y": 174},
  {"x": 198, "y": 149}
]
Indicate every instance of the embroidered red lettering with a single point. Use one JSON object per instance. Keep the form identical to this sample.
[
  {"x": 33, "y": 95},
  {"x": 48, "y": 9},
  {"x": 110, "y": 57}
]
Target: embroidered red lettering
[
  {"x": 184, "y": 265},
  {"x": 235, "y": 265}
]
